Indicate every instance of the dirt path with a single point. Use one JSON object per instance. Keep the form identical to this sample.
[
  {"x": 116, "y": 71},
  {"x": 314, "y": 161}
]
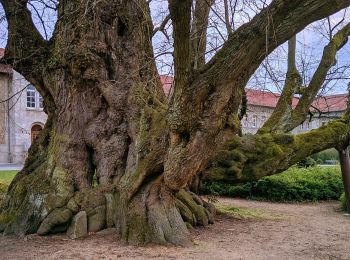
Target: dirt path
[{"x": 273, "y": 231}]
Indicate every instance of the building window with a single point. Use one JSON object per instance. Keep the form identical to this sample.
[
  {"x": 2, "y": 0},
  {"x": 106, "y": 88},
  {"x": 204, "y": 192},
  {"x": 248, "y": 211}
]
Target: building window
[
  {"x": 245, "y": 121},
  {"x": 308, "y": 125},
  {"x": 255, "y": 121},
  {"x": 35, "y": 131},
  {"x": 31, "y": 96},
  {"x": 41, "y": 101},
  {"x": 34, "y": 99}
]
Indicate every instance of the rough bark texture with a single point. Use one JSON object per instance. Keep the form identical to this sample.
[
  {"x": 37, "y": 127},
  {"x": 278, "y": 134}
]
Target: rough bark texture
[
  {"x": 108, "y": 116},
  {"x": 345, "y": 168}
]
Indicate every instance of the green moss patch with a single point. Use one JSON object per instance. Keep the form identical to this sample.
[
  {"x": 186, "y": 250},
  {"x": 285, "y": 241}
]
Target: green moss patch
[{"x": 246, "y": 213}]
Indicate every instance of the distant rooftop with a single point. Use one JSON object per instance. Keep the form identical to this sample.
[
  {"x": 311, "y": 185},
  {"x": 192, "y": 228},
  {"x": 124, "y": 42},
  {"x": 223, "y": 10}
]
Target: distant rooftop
[
  {"x": 167, "y": 82},
  {"x": 331, "y": 103}
]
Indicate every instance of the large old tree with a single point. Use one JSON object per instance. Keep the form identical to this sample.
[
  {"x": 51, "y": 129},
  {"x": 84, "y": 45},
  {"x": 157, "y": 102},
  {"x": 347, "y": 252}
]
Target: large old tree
[{"x": 109, "y": 120}]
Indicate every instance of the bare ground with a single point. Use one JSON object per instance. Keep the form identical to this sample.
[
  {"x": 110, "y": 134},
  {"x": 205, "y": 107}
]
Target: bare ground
[{"x": 278, "y": 231}]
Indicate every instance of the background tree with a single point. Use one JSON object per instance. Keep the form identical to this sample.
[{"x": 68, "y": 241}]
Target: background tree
[{"x": 107, "y": 114}]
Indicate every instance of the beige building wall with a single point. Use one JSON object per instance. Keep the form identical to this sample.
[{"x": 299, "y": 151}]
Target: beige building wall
[
  {"x": 21, "y": 120},
  {"x": 255, "y": 118},
  {"x": 4, "y": 82},
  {"x": 3, "y": 95}
]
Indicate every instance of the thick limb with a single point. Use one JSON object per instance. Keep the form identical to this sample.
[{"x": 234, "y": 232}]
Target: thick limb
[
  {"x": 252, "y": 157},
  {"x": 215, "y": 92}
]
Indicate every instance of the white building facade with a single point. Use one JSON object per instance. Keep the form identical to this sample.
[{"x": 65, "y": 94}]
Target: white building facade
[
  {"x": 21, "y": 115},
  {"x": 257, "y": 116}
]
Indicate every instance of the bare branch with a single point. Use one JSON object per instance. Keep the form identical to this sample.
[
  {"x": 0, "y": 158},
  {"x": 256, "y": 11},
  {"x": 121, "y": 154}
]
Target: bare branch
[
  {"x": 328, "y": 60},
  {"x": 283, "y": 111},
  {"x": 180, "y": 12},
  {"x": 227, "y": 18},
  {"x": 161, "y": 27},
  {"x": 26, "y": 46},
  {"x": 199, "y": 32},
  {"x": 274, "y": 25}
]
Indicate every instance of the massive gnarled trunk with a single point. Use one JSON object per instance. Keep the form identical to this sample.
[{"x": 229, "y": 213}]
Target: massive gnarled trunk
[
  {"x": 109, "y": 120},
  {"x": 106, "y": 117}
]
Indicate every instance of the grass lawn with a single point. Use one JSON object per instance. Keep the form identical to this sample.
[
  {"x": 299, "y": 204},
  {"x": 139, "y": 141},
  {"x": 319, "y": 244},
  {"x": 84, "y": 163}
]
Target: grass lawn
[{"x": 5, "y": 179}]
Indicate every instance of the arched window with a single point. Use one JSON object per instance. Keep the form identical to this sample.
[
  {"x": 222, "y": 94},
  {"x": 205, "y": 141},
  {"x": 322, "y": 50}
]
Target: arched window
[
  {"x": 35, "y": 131},
  {"x": 31, "y": 96}
]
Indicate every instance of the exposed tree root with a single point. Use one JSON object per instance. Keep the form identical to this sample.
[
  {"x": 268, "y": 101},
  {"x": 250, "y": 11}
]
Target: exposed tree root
[{"x": 153, "y": 215}]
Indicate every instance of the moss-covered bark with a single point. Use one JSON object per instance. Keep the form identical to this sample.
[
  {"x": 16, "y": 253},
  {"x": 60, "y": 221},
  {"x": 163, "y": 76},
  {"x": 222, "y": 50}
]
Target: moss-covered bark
[
  {"x": 107, "y": 120},
  {"x": 251, "y": 157}
]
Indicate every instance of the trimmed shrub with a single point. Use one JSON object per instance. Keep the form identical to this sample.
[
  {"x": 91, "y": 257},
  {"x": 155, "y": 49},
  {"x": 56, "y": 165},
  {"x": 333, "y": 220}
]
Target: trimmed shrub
[
  {"x": 307, "y": 162},
  {"x": 224, "y": 189},
  {"x": 326, "y": 156},
  {"x": 295, "y": 184}
]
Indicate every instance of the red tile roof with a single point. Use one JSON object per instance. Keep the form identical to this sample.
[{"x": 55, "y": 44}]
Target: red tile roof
[
  {"x": 262, "y": 98},
  {"x": 331, "y": 103},
  {"x": 167, "y": 82}
]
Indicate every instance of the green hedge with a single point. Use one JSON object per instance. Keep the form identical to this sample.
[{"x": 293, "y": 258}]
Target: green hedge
[
  {"x": 295, "y": 184},
  {"x": 325, "y": 156}
]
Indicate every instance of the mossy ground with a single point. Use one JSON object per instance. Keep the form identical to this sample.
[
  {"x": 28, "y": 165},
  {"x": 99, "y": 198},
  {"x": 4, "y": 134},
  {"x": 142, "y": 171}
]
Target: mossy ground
[{"x": 246, "y": 213}]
